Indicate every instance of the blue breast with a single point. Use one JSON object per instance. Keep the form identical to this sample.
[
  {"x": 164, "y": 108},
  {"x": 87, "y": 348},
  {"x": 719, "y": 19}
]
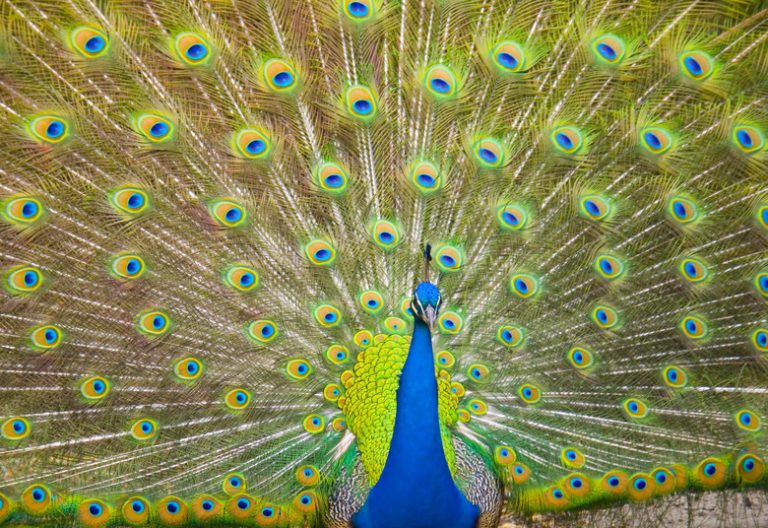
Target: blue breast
[{"x": 416, "y": 488}]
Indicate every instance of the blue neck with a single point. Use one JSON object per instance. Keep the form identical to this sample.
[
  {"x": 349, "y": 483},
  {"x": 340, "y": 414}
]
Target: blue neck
[{"x": 416, "y": 488}]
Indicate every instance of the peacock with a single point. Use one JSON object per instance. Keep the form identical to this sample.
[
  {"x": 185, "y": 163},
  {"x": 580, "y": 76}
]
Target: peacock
[{"x": 383, "y": 263}]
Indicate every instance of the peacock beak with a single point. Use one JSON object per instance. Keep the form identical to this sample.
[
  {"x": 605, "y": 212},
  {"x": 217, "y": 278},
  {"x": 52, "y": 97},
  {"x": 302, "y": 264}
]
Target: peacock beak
[{"x": 430, "y": 314}]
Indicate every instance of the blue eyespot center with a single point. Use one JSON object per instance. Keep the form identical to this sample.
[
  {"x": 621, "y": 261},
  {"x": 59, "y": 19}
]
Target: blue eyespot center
[
  {"x": 762, "y": 338},
  {"x": 661, "y": 477},
  {"x": 447, "y": 260},
  {"x": 135, "y": 201},
  {"x": 146, "y": 427},
  {"x": 614, "y": 481},
  {"x": 256, "y": 146},
  {"x": 521, "y": 286},
  {"x": 652, "y": 140},
  {"x": 527, "y": 392},
  {"x": 172, "y": 507},
  {"x": 373, "y": 303},
  {"x": 357, "y": 9},
  {"x": 510, "y": 218},
  {"x": 159, "y": 129},
  {"x": 316, "y": 421},
  {"x": 233, "y": 214},
  {"x": 592, "y": 208},
  {"x": 95, "y": 509},
  {"x": 362, "y": 106},
  {"x": 606, "y": 51},
  {"x": 602, "y": 316},
  {"x": 507, "y": 60},
  {"x": 54, "y": 129},
  {"x": 241, "y": 397},
  {"x": 207, "y": 505},
  {"x": 29, "y": 209},
  {"x": 30, "y": 278},
  {"x": 557, "y": 494},
  {"x": 95, "y": 44},
  {"x": 576, "y": 483},
  {"x": 693, "y": 66},
  {"x": 158, "y": 322},
  {"x": 38, "y": 494},
  {"x": 267, "y": 330},
  {"x": 283, "y": 79},
  {"x": 640, "y": 484},
  {"x": 672, "y": 375},
  {"x": 690, "y": 325},
  {"x": 137, "y": 506},
  {"x": 506, "y": 335},
  {"x": 606, "y": 266},
  {"x": 488, "y": 155},
  {"x": 746, "y": 419},
  {"x": 322, "y": 254},
  {"x": 748, "y": 464},
  {"x": 679, "y": 210},
  {"x": 197, "y": 51},
  {"x": 334, "y": 180},
  {"x": 440, "y": 85},
  {"x": 19, "y": 426},
  {"x": 386, "y": 237},
  {"x": 267, "y": 512},
  {"x": 710, "y": 469},
  {"x": 744, "y": 138},
  {"x": 564, "y": 141},
  {"x": 305, "y": 500},
  {"x": 132, "y": 267},
  {"x": 690, "y": 269},
  {"x": 243, "y": 504},
  {"x": 426, "y": 180},
  {"x": 578, "y": 357},
  {"x": 50, "y": 335},
  {"x": 98, "y": 386}
]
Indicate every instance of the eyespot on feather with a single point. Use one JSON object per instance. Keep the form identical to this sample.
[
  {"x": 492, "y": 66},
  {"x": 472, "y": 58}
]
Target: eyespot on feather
[
  {"x": 172, "y": 511},
  {"x": 155, "y": 128},
  {"x": 425, "y": 177},
  {"x": 227, "y": 213},
  {"x": 153, "y": 322},
  {"x": 576, "y": 485},
  {"x": 371, "y": 301},
  {"x": 361, "y": 103},
  {"x": 252, "y": 143},
  {"x": 748, "y": 420},
  {"x": 305, "y": 503},
  {"x": 512, "y": 217},
  {"x": 237, "y": 399},
  {"x": 525, "y": 285},
  {"x": 748, "y": 139},
  {"x": 489, "y": 153},
  {"x": 572, "y": 458},
  {"x": 144, "y": 430},
  {"x": 529, "y": 393},
  {"x": 641, "y": 487},
  {"x": 37, "y": 499},
  {"x": 320, "y": 253},
  {"x": 605, "y": 317},
  {"x": 675, "y": 377},
  {"x": 694, "y": 327},
  {"x": 130, "y": 200},
  {"x": 188, "y": 369},
  {"x": 664, "y": 481},
  {"x": 15, "y": 428},
  {"x": 23, "y": 280},
  {"x": 327, "y": 315},
  {"x": 656, "y": 140},
  {"x": 93, "y": 513},
  {"x": 477, "y": 407},
  {"x": 234, "y": 483},
  {"x": 504, "y": 455},
  {"x": 595, "y": 207},
  {"x": 359, "y": 10},
  {"x": 332, "y": 392},
  {"x": 520, "y": 473},
  {"x": 331, "y": 177},
  {"x": 440, "y": 82},
  {"x": 135, "y": 510},
  {"x": 49, "y": 128},
  {"x": 338, "y": 354},
  {"x": 511, "y": 336},
  {"x": 314, "y": 424},
  {"x": 693, "y": 270},
  {"x": 262, "y": 331},
  {"x": 580, "y": 358},
  {"x": 192, "y": 49},
  {"x": 508, "y": 57},
  {"x": 635, "y": 409},
  {"x": 241, "y": 507},
  {"x": 478, "y": 373},
  {"x": 445, "y": 359},
  {"x": 45, "y": 337},
  {"x": 298, "y": 369},
  {"x": 279, "y": 75},
  {"x": 241, "y": 278},
  {"x": 450, "y": 322},
  {"x": 22, "y": 211},
  {"x": 307, "y": 475},
  {"x": 205, "y": 507},
  {"x": 614, "y": 482},
  {"x": 711, "y": 473},
  {"x": 608, "y": 49},
  {"x": 95, "y": 388},
  {"x": 682, "y": 210},
  {"x": 395, "y": 325},
  {"x": 567, "y": 139},
  {"x": 127, "y": 266},
  {"x": 696, "y": 65},
  {"x": 760, "y": 339},
  {"x": 750, "y": 469},
  {"x": 89, "y": 42},
  {"x": 609, "y": 267},
  {"x": 761, "y": 283}
]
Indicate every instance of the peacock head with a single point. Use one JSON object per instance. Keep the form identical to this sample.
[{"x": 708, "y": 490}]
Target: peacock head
[{"x": 426, "y": 303}]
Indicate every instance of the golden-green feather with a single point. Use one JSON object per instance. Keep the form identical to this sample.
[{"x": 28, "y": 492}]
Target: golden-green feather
[{"x": 212, "y": 219}]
